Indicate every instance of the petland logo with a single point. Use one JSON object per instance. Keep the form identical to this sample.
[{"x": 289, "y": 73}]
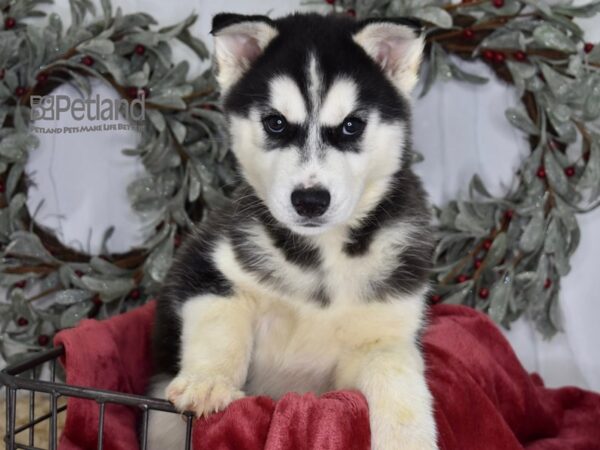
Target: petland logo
[{"x": 92, "y": 109}]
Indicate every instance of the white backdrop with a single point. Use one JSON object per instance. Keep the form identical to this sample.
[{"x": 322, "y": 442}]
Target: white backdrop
[{"x": 460, "y": 129}]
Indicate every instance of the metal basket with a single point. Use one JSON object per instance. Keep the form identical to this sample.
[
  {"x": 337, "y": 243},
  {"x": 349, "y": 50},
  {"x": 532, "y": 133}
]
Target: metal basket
[{"x": 23, "y": 377}]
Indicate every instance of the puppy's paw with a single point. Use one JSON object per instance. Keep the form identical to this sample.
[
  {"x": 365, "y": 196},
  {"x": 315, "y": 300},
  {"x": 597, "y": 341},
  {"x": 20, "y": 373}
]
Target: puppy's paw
[{"x": 202, "y": 395}]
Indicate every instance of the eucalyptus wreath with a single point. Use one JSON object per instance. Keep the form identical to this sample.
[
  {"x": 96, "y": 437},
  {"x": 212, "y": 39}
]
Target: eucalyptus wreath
[
  {"x": 506, "y": 255},
  {"x": 183, "y": 147},
  {"x": 502, "y": 255}
]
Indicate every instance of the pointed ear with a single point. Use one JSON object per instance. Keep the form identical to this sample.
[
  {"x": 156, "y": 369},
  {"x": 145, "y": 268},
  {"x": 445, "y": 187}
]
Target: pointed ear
[
  {"x": 239, "y": 41},
  {"x": 396, "y": 45}
]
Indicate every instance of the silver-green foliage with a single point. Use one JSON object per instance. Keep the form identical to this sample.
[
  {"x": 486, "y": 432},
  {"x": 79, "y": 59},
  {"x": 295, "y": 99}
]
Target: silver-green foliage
[{"x": 183, "y": 147}]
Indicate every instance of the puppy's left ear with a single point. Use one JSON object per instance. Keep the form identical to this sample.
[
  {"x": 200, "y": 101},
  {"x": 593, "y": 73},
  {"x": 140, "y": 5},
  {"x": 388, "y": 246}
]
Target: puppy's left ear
[
  {"x": 239, "y": 41},
  {"x": 396, "y": 45}
]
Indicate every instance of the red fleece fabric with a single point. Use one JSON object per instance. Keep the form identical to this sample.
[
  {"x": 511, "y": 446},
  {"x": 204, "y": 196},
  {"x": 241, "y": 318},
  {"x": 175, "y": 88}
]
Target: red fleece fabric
[{"x": 484, "y": 399}]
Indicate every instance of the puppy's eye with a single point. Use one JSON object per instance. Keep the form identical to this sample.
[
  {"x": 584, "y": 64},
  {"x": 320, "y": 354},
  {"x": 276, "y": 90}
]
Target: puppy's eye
[
  {"x": 352, "y": 127},
  {"x": 275, "y": 124}
]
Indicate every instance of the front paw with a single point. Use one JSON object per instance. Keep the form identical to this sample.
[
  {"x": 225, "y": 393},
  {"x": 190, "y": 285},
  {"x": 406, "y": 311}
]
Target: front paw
[{"x": 202, "y": 395}]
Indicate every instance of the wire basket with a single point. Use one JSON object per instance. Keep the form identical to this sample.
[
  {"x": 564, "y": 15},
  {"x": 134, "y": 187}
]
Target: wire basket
[{"x": 24, "y": 375}]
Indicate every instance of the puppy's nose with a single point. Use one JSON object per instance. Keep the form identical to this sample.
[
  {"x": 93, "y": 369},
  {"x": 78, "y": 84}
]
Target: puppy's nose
[{"x": 311, "y": 202}]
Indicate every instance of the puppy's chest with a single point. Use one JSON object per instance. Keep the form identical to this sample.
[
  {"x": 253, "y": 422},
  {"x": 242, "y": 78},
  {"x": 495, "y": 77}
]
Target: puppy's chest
[
  {"x": 297, "y": 347},
  {"x": 337, "y": 278}
]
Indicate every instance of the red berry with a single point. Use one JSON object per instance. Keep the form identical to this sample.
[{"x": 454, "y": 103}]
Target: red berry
[
  {"x": 520, "y": 56},
  {"x": 588, "y": 47},
  {"x": 499, "y": 57},
  {"x": 541, "y": 172},
  {"x": 96, "y": 300},
  {"x": 351, "y": 12},
  {"x": 498, "y": 3},
  {"x": 330, "y": 2},
  {"x": 42, "y": 77},
  {"x": 20, "y": 90},
  {"x": 547, "y": 283},
  {"x": 177, "y": 240},
  {"x": 468, "y": 33},
  {"x": 140, "y": 49},
  {"x": 10, "y": 23},
  {"x": 87, "y": 61},
  {"x": 2, "y": 73},
  {"x": 487, "y": 244},
  {"x": 22, "y": 321},
  {"x": 435, "y": 298},
  {"x": 477, "y": 263},
  {"x": 21, "y": 284},
  {"x": 484, "y": 293},
  {"x": 489, "y": 55},
  {"x": 509, "y": 214},
  {"x": 135, "y": 294},
  {"x": 43, "y": 340},
  {"x": 462, "y": 278},
  {"x": 569, "y": 171},
  {"x": 79, "y": 273},
  {"x": 132, "y": 91},
  {"x": 1, "y": 187}
]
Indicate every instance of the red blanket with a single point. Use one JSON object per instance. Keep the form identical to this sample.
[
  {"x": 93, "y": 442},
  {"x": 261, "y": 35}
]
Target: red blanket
[{"x": 483, "y": 397}]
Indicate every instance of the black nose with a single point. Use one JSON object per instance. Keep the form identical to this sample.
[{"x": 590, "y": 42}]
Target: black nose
[{"x": 312, "y": 202}]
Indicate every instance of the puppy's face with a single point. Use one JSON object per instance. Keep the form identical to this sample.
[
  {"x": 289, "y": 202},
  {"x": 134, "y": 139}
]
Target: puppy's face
[{"x": 318, "y": 110}]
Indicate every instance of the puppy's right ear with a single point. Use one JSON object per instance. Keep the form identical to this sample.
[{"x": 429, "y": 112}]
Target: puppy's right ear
[{"x": 239, "y": 41}]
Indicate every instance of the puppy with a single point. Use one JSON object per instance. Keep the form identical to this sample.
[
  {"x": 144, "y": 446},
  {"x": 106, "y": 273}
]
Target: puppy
[{"x": 315, "y": 277}]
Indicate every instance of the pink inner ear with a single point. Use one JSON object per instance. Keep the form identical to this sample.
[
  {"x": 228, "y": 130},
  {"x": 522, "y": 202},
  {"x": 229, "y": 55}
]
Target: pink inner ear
[
  {"x": 383, "y": 55},
  {"x": 390, "y": 52},
  {"x": 243, "y": 46}
]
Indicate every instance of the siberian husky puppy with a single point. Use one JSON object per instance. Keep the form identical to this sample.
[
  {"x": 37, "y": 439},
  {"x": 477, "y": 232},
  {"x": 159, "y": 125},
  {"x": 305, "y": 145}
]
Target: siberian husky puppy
[{"x": 315, "y": 278}]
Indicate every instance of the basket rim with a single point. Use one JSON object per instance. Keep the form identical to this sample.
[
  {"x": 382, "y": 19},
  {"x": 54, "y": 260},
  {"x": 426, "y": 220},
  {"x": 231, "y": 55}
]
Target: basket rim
[{"x": 9, "y": 378}]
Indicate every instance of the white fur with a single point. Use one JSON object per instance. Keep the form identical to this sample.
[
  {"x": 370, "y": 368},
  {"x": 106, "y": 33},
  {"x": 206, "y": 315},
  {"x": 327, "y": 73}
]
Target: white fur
[
  {"x": 287, "y": 99},
  {"x": 237, "y": 46},
  {"x": 356, "y": 181},
  {"x": 339, "y": 102},
  {"x": 396, "y": 48},
  {"x": 268, "y": 340}
]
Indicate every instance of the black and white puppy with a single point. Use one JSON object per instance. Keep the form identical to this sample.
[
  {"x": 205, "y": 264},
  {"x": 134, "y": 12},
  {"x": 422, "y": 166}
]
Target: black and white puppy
[{"x": 315, "y": 278}]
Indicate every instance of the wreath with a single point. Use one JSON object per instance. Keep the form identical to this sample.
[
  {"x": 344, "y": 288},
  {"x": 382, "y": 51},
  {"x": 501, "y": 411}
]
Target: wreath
[
  {"x": 183, "y": 147},
  {"x": 502, "y": 255}
]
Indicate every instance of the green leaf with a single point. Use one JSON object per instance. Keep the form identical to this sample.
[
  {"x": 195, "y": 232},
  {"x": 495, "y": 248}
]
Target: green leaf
[
  {"x": 98, "y": 46},
  {"x": 477, "y": 186},
  {"x": 555, "y": 173},
  {"x": 108, "y": 288},
  {"x": 499, "y": 296},
  {"x": 28, "y": 245},
  {"x": 591, "y": 175},
  {"x": 434, "y": 15},
  {"x": 71, "y": 296},
  {"x": 533, "y": 233},
  {"x": 559, "y": 84},
  {"x": 497, "y": 251},
  {"x": 75, "y": 314},
  {"x": 587, "y": 10},
  {"x": 548, "y": 36},
  {"x": 520, "y": 119},
  {"x": 159, "y": 261},
  {"x": 461, "y": 75}
]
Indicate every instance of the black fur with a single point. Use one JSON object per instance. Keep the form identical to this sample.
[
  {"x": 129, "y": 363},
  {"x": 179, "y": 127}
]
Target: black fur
[{"x": 329, "y": 39}]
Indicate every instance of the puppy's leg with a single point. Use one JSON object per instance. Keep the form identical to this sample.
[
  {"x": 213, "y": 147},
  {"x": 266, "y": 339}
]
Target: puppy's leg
[
  {"x": 400, "y": 405},
  {"x": 216, "y": 345}
]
